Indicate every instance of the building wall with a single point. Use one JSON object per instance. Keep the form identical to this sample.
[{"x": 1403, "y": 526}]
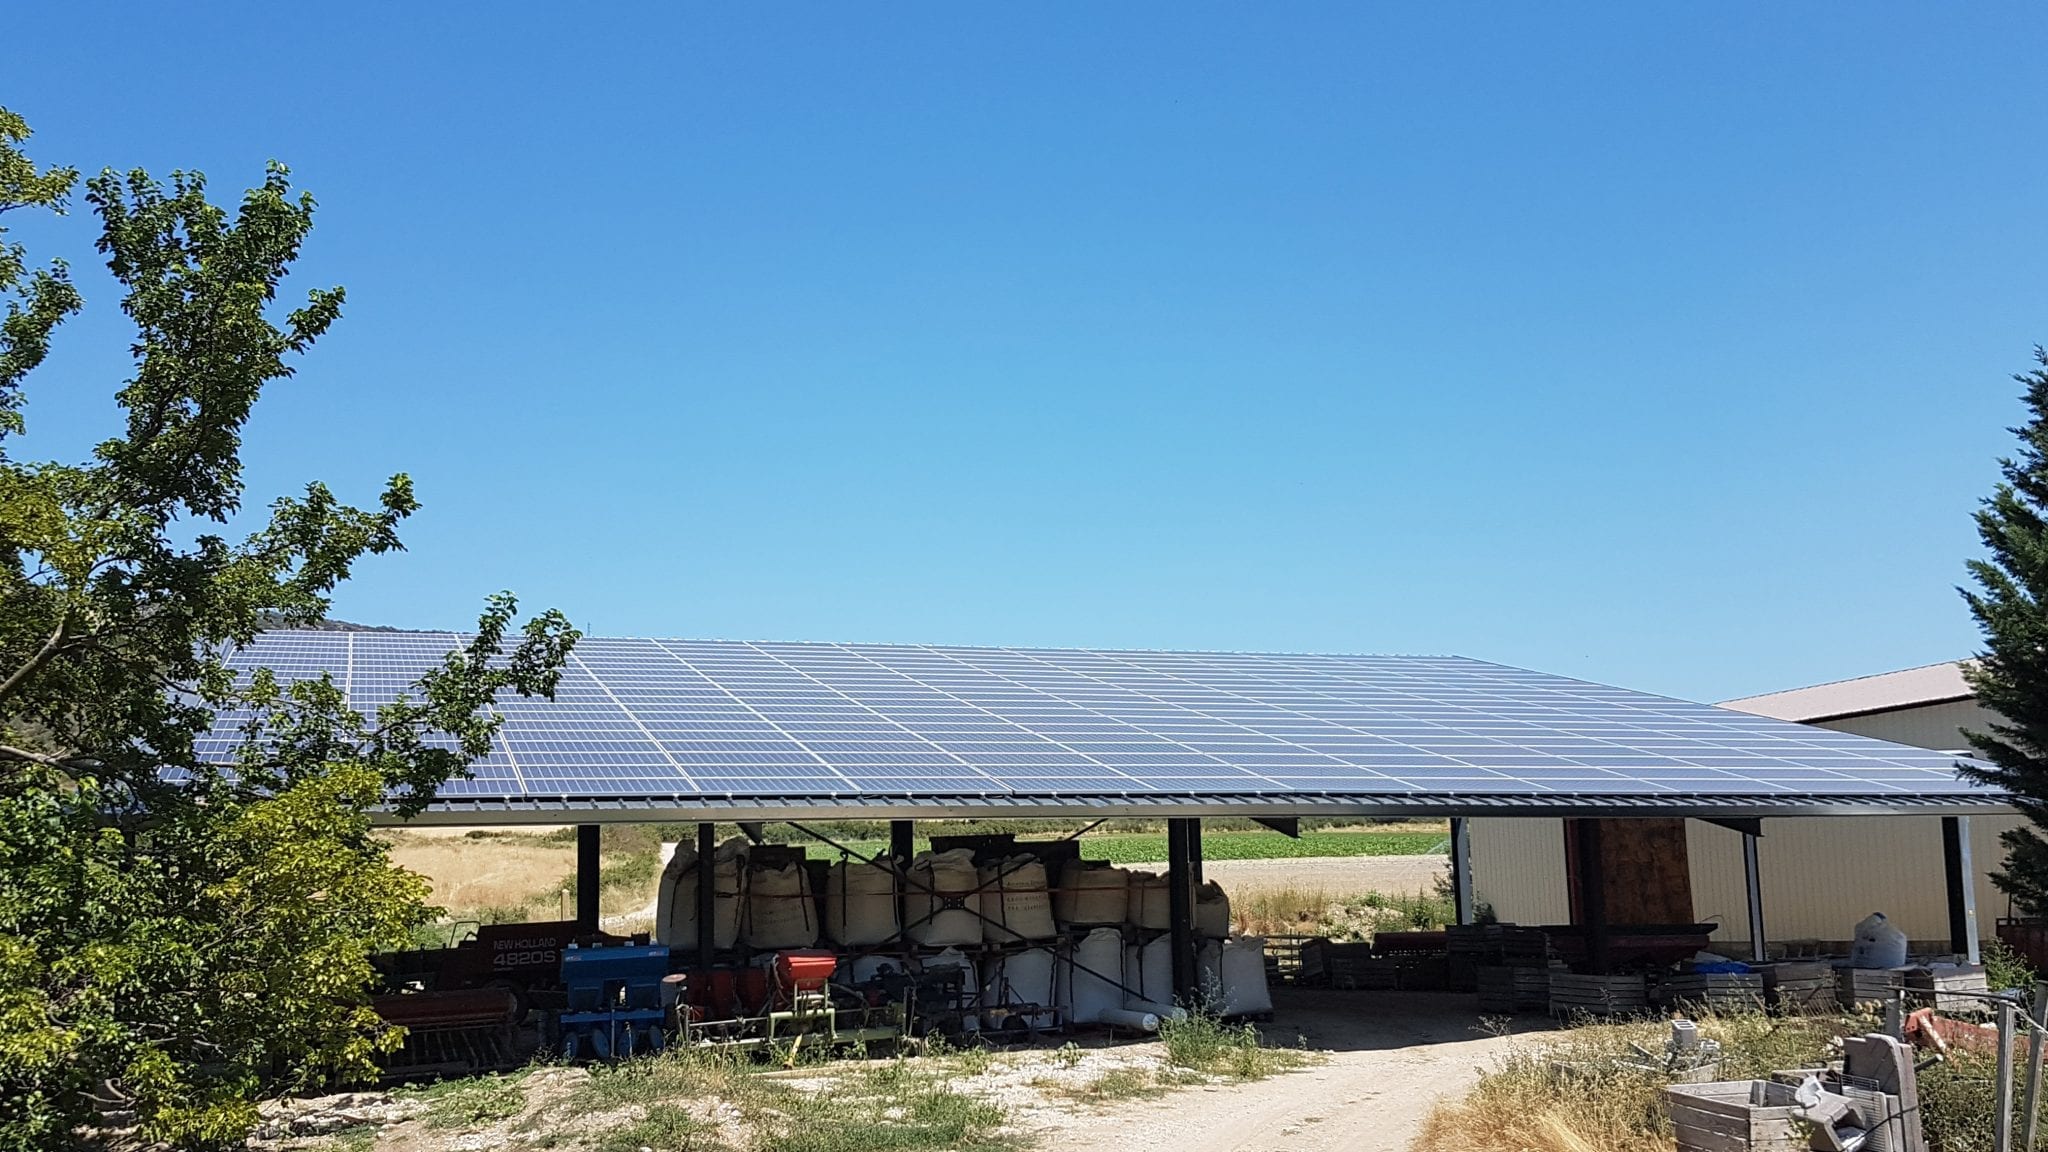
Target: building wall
[
  {"x": 1518, "y": 869},
  {"x": 1937, "y": 726},
  {"x": 1820, "y": 874}
]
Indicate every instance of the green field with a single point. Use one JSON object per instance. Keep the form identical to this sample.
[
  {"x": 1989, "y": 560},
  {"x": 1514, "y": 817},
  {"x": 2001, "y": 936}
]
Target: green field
[{"x": 1150, "y": 847}]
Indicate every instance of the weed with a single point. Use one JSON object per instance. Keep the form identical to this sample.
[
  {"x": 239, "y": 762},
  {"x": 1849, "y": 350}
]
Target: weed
[
  {"x": 896, "y": 1106},
  {"x": 2005, "y": 968},
  {"x": 1202, "y": 1043},
  {"x": 664, "y": 1127},
  {"x": 361, "y": 1138},
  {"x": 471, "y": 1101},
  {"x": 1068, "y": 1056},
  {"x": 654, "y": 1079},
  {"x": 1117, "y": 1084}
]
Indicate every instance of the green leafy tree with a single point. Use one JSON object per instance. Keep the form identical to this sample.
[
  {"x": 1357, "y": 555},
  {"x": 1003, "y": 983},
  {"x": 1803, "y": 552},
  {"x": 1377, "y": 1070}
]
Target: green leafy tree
[
  {"x": 177, "y": 933},
  {"x": 2010, "y": 677}
]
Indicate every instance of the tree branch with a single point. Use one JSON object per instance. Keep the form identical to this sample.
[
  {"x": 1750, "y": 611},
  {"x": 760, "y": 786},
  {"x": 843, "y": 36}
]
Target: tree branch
[{"x": 50, "y": 648}]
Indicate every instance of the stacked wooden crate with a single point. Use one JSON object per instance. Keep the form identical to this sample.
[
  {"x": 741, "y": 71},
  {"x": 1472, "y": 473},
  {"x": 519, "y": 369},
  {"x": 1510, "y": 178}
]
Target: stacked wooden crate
[
  {"x": 1520, "y": 988},
  {"x": 1799, "y": 987},
  {"x": 1854, "y": 986},
  {"x": 1713, "y": 991},
  {"x": 1354, "y": 966},
  {"x": 1571, "y": 994},
  {"x": 1937, "y": 985}
]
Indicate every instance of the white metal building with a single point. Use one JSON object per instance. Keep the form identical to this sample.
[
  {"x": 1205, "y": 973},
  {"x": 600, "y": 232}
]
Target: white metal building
[{"x": 1819, "y": 874}]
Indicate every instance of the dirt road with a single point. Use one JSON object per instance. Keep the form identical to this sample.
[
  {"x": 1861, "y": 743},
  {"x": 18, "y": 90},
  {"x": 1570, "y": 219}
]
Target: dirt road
[{"x": 1391, "y": 1055}]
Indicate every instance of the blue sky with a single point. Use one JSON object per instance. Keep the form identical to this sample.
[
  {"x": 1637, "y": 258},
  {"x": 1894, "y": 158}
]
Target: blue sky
[{"x": 1664, "y": 345}]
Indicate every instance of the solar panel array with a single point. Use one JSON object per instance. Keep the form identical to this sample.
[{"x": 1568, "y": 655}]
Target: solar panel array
[{"x": 643, "y": 718}]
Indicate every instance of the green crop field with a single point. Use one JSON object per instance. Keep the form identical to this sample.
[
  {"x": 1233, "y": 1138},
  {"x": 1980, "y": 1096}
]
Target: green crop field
[{"x": 1150, "y": 847}]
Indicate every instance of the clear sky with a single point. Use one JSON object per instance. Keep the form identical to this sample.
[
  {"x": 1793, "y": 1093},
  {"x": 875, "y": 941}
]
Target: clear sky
[{"x": 1666, "y": 345}]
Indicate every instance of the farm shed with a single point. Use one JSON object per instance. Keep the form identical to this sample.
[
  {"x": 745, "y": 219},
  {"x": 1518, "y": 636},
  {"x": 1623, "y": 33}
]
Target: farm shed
[
  {"x": 703, "y": 731},
  {"x": 1818, "y": 875}
]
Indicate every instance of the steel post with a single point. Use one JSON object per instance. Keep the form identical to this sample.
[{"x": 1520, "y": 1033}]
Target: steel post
[
  {"x": 1961, "y": 875},
  {"x": 1181, "y": 909},
  {"x": 707, "y": 895},
  {"x": 1753, "y": 878},
  {"x": 589, "y": 866},
  {"x": 1461, "y": 870}
]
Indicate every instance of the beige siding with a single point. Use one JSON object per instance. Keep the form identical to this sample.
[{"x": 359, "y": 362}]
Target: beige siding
[
  {"x": 1822, "y": 874},
  {"x": 1518, "y": 869},
  {"x": 1937, "y": 726}
]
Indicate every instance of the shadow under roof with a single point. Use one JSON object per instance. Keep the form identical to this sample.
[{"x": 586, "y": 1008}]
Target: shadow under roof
[{"x": 645, "y": 729}]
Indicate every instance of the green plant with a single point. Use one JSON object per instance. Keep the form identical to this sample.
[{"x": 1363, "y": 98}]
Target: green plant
[
  {"x": 2010, "y": 677},
  {"x": 469, "y": 1101},
  {"x": 664, "y": 1127},
  {"x": 1200, "y": 1042},
  {"x": 1068, "y": 1055},
  {"x": 2005, "y": 968},
  {"x": 195, "y": 929}
]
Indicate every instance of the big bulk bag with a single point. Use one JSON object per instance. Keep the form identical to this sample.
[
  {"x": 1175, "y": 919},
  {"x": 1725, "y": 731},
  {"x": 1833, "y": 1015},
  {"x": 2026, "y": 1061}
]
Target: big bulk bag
[
  {"x": 1092, "y": 977},
  {"x": 936, "y": 878},
  {"x": 1091, "y": 894},
  {"x": 860, "y": 903},
  {"x": 1015, "y": 904},
  {"x": 1148, "y": 972},
  {"x": 1150, "y": 902},
  {"x": 781, "y": 909},
  {"x": 675, "y": 900},
  {"x": 1878, "y": 944},
  {"x": 1241, "y": 971},
  {"x": 1212, "y": 912}
]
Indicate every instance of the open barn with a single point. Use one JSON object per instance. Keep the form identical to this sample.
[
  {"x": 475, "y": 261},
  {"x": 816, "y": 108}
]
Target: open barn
[{"x": 707, "y": 732}]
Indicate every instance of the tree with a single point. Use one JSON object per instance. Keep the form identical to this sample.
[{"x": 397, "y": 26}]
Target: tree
[
  {"x": 2010, "y": 676},
  {"x": 176, "y": 931}
]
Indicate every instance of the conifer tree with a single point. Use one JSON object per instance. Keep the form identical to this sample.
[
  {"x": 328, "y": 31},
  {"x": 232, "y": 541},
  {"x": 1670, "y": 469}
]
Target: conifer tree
[{"x": 2010, "y": 676}]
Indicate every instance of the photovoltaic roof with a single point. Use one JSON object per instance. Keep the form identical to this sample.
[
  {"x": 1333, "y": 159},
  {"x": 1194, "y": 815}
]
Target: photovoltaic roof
[{"x": 714, "y": 729}]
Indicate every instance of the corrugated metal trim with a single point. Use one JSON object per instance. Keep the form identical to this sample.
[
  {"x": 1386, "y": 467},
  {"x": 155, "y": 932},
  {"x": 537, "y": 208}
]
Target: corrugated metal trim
[{"x": 605, "y": 809}]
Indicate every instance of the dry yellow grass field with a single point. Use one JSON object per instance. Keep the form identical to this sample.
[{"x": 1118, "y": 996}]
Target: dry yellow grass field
[{"x": 471, "y": 875}]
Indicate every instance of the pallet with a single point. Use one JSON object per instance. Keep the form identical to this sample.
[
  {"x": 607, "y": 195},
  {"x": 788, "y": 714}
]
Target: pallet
[
  {"x": 1571, "y": 993},
  {"x": 1513, "y": 989}
]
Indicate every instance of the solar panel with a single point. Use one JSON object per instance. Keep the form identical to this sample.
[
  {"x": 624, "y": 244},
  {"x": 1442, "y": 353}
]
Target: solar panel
[{"x": 673, "y": 720}]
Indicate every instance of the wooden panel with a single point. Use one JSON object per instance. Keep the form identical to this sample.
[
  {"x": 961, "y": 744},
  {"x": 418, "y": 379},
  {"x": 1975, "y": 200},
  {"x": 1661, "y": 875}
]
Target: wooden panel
[{"x": 1647, "y": 871}]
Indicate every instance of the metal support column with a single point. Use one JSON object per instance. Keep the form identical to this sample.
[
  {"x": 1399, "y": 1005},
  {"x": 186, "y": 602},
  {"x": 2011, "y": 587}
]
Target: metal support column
[
  {"x": 1753, "y": 878},
  {"x": 1962, "y": 886},
  {"x": 707, "y": 895},
  {"x": 1461, "y": 870},
  {"x": 1195, "y": 853},
  {"x": 902, "y": 842},
  {"x": 1593, "y": 896},
  {"x": 588, "y": 867},
  {"x": 1181, "y": 908}
]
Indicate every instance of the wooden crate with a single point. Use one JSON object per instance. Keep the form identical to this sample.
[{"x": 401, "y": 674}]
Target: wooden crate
[
  {"x": 1513, "y": 989},
  {"x": 1501, "y": 945},
  {"x": 1736, "y": 1116},
  {"x": 1935, "y": 986},
  {"x": 1713, "y": 991},
  {"x": 1854, "y": 986},
  {"x": 1800, "y": 987},
  {"x": 1571, "y": 993}
]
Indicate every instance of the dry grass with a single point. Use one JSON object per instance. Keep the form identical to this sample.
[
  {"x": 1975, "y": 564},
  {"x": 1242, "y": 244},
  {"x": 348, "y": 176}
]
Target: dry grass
[
  {"x": 500, "y": 876},
  {"x": 1343, "y": 916},
  {"x": 471, "y": 875},
  {"x": 1524, "y": 1104}
]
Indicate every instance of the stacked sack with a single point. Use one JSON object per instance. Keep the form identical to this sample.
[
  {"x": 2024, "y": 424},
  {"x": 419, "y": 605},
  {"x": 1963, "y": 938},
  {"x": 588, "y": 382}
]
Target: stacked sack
[
  {"x": 782, "y": 911},
  {"x": 675, "y": 901}
]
